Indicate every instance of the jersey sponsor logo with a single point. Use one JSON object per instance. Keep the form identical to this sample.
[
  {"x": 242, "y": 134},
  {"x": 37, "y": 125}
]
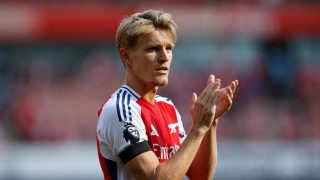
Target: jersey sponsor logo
[
  {"x": 173, "y": 127},
  {"x": 131, "y": 133},
  {"x": 164, "y": 152},
  {"x": 154, "y": 131}
]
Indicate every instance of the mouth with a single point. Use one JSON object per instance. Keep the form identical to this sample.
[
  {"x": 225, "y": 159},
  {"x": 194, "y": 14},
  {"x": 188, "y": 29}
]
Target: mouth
[{"x": 162, "y": 70}]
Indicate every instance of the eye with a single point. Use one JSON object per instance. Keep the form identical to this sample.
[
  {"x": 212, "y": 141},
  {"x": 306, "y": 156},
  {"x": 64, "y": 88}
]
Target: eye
[
  {"x": 169, "y": 48},
  {"x": 153, "y": 48}
]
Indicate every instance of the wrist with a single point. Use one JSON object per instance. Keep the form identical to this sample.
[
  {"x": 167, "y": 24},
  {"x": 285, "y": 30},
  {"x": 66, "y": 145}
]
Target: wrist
[
  {"x": 198, "y": 131},
  {"x": 215, "y": 123}
]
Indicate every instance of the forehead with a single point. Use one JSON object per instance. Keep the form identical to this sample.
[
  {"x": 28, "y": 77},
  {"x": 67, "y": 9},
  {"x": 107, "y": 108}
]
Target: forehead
[{"x": 156, "y": 37}]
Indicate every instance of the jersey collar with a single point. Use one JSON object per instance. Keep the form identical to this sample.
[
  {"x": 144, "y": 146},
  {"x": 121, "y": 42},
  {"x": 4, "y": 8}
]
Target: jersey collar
[{"x": 133, "y": 92}]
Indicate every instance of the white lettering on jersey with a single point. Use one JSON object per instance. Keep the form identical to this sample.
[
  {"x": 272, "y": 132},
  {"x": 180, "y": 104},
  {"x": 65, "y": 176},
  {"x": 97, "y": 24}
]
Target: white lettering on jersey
[
  {"x": 154, "y": 131},
  {"x": 173, "y": 127},
  {"x": 165, "y": 151}
]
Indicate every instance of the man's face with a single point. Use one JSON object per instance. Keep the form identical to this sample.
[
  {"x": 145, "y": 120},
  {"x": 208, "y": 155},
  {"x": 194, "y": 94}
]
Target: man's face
[{"x": 151, "y": 58}]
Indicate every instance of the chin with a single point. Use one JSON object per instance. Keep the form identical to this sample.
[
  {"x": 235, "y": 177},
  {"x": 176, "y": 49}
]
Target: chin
[{"x": 162, "y": 82}]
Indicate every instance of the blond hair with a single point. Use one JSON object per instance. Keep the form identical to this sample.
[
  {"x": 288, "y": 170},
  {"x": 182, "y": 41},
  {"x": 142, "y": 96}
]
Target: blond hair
[{"x": 132, "y": 28}]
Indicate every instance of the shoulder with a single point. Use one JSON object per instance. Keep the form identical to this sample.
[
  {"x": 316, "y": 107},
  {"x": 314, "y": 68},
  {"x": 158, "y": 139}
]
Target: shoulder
[
  {"x": 120, "y": 113},
  {"x": 120, "y": 104}
]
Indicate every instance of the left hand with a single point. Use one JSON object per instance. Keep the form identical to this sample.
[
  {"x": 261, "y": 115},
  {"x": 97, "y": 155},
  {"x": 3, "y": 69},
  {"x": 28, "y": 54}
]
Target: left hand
[{"x": 224, "y": 98}]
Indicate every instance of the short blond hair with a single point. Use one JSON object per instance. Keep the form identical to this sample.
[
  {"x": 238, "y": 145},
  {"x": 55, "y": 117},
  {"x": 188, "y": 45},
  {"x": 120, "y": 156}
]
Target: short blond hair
[{"x": 139, "y": 24}]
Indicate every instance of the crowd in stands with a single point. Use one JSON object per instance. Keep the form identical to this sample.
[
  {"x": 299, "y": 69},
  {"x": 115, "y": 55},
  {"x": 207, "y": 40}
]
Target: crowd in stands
[{"x": 55, "y": 98}]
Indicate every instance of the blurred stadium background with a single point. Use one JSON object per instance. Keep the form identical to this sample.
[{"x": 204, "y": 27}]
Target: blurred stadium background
[{"x": 58, "y": 64}]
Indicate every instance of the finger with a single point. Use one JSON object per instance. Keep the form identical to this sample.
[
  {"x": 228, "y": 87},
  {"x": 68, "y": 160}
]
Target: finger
[
  {"x": 207, "y": 92},
  {"x": 193, "y": 100},
  {"x": 217, "y": 85},
  {"x": 236, "y": 82},
  {"x": 230, "y": 102},
  {"x": 229, "y": 91},
  {"x": 213, "y": 109},
  {"x": 233, "y": 86},
  {"x": 211, "y": 79},
  {"x": 212, "y": 94},
  {"x": 204, "y": 92}
]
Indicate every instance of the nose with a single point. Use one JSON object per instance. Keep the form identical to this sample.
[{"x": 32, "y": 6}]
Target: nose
[{"x": 164, "y": 56}]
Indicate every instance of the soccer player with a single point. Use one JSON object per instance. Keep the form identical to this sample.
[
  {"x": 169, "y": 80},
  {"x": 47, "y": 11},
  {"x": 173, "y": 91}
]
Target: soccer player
[{"x": 140, "y": 134}]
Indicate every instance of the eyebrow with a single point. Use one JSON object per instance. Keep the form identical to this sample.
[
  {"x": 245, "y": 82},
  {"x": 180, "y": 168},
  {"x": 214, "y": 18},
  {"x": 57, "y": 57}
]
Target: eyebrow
[{"x": 157, "y": 44}]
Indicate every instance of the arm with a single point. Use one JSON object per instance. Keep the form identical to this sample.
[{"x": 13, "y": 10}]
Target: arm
[
  {"x": 147, "y": 166},
  {"x": 204, "y": 164}
]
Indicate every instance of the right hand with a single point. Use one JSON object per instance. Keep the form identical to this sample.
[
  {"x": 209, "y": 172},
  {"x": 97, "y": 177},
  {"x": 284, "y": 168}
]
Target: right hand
[{"x": 203, "y": 108}]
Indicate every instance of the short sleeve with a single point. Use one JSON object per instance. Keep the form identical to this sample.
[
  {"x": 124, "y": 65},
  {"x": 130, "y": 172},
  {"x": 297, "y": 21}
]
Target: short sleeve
[{"x": 126, "y": 137}]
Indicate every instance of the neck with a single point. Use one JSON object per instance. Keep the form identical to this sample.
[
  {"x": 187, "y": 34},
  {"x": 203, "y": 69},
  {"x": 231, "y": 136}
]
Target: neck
[{"x": 146, "y": 92}]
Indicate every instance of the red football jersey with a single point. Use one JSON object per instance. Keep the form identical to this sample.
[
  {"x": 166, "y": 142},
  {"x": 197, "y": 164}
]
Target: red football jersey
[{"x": 128, "y": 125}]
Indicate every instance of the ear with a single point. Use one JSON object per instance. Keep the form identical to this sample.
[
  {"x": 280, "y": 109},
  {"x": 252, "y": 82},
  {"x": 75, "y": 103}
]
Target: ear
[{"x": 124, "y": 56}]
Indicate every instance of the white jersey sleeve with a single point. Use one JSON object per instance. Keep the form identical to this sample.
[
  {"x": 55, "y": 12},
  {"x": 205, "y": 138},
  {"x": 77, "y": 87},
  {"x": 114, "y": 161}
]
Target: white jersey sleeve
[{"x": 120, "y": 127}]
